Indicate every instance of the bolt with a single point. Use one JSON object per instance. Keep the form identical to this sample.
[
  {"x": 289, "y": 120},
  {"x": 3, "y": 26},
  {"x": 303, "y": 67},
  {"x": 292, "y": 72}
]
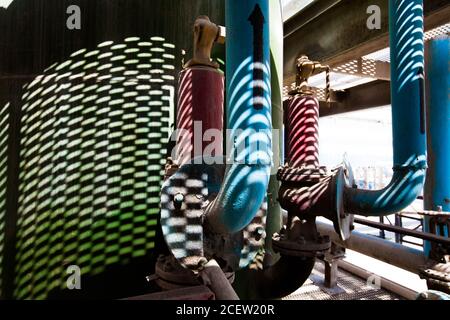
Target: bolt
[
  {"x": 424, "y": 295},
  {"x": 178, "y": 200},
  {"x": 258, "y": 233}
]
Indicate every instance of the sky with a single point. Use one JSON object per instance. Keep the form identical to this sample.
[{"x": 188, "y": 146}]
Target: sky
[{"x": 364, "y": 136}]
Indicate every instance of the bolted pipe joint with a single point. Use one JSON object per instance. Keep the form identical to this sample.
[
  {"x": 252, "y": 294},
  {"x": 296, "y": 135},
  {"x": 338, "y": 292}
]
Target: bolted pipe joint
[
  {"x": 307, "y": 189},
  {"x": 208, "y": 204}
]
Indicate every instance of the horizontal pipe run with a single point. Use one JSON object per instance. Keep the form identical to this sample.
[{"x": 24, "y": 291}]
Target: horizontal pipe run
[
  {"x": 400, "y": 256},
  {"x": 384, "y": 283},
  {"x": 404, "y": 231}
]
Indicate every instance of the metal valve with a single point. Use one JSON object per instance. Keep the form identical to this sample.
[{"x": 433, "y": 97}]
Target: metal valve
[
  {"x": 206, "y": 33},
  {"x": 307, "y": 68}
]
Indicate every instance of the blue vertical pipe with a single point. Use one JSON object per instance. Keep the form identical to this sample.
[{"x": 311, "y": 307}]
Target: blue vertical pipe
[
  {"x": 437, "y": 187},
  {"x": 249, "y": 154},
  {"x": 408, "y": 116}
]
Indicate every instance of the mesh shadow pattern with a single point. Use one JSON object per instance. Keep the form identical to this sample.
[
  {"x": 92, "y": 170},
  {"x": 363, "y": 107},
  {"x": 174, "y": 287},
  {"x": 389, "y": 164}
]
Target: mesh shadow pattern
[{"x": 93, "y": 145}]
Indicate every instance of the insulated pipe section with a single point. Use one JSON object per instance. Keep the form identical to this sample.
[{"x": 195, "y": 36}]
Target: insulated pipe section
[
  {"x": 408, "y": 116},
  {"x": 199, "y": 114},
  {"x": 437, "y": 186},
  {"x": 384, "y": 283},
  {"x": 248, "y": 117}
]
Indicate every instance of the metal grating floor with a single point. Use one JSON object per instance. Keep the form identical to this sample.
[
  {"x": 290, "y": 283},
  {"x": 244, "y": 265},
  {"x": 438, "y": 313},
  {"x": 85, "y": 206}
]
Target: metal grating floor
[{"x": 350, "y": 287}]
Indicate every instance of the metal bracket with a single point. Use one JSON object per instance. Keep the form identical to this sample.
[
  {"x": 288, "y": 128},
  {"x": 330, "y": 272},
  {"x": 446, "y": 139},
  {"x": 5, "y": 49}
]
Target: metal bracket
[{"x": 331, "y": 261}]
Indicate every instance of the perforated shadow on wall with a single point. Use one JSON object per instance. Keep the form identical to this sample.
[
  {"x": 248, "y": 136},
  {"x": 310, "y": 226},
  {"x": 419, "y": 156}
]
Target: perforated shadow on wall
[{"x": 94, "y": 133}]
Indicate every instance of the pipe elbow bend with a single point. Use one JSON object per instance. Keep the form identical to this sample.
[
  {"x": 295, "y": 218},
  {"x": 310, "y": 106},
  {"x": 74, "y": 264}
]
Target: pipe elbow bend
[
  {"x": 406, "y": 185},
  {"x": 240, "y": 198}
]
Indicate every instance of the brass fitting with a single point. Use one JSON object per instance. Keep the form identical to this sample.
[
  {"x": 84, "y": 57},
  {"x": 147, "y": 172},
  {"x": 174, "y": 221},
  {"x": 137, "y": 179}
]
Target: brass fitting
[
  {"x": 206, "y": 34},
  {"x": 306, "y": 69}
]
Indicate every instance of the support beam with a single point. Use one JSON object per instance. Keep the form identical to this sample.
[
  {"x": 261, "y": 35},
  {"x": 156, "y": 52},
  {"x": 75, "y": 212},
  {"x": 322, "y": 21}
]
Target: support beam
[
  {"x": 365, "y": 68},
  {"x": 369, "y": 95},
  {"x": 335, "y": 32}
]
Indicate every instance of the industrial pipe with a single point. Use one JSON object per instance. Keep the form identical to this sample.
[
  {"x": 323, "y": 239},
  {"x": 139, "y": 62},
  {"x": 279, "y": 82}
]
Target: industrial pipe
[
  {"x": 408, "y": 116},
  {"x": 213, "y": 276},
  {"x": 302, "y": 128},
  {"x": 200, "y": 99},
  {"x": 406, "y": 232},
  {"x": 437, "y": 186},
  {"x": 200, "y": 88},
  {"x": 274, "y": 215},
  {"x": 283, "y": 275},
  {"x": 395, "y": 254},
  {"x": 384, "y": 283},
  {"x": 248, "y": 117},
  {"x": 276, "y": 282}
]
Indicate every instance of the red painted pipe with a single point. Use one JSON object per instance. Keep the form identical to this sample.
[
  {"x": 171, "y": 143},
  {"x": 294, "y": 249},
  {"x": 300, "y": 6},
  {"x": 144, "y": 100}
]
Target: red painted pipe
[
  {"x": 303, "y": 132},
  {"x": 200, "y": 108},
  {"x": 306, "y": 188}
]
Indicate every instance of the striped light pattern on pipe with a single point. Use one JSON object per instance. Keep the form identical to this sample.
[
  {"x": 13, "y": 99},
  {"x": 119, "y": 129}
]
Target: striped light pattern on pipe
[
  {"x": 4, "y": 130},
  {"x": 303, "y": 132},
  {"x": 248, "y": 117},
  {"x": 200, "y": 114},
  {"x": 408, "y": 116}
]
